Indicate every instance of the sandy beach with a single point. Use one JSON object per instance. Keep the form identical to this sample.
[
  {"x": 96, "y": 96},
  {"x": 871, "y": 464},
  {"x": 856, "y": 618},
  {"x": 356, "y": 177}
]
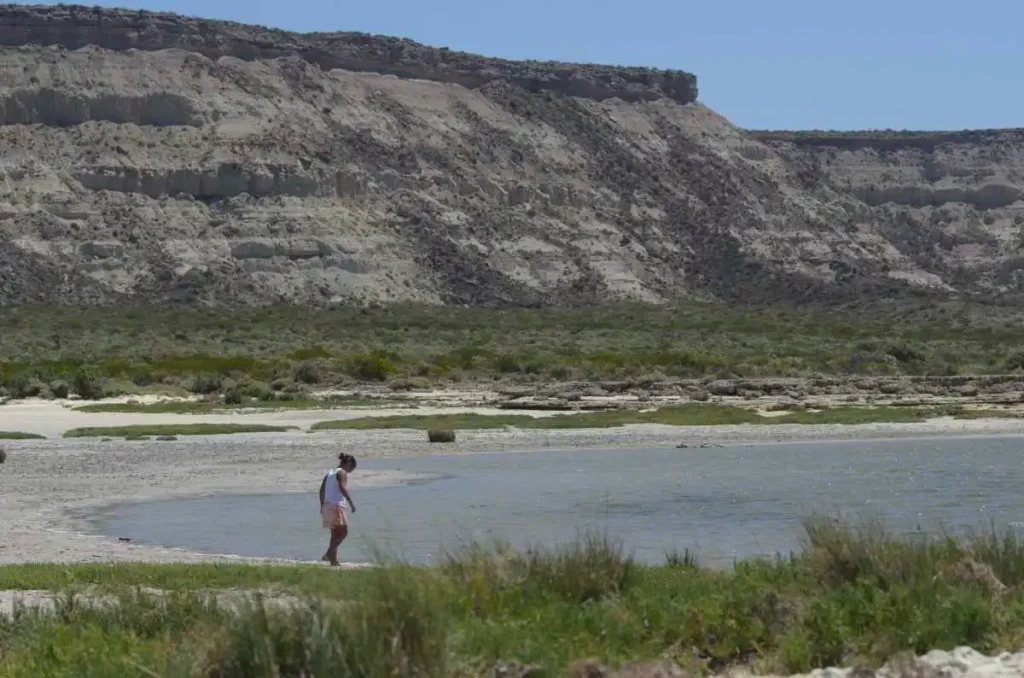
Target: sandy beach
[{"x": 47, "y": 486}]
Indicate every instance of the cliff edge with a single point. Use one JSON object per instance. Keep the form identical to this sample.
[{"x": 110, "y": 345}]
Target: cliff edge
[{"x": 76, "y": 26}]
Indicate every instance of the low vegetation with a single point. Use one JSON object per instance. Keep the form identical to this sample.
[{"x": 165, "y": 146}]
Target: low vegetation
[
  {"x": 218, "y": 406},
  {"x": 146, "y": 431},
  {"x": 426, "y": 422},
  {"x": 854, "y": 596},
  {"x": 250, "y": 356},
  {"x": 18, "y": 435},
  {"x": 674, "y": 415}
]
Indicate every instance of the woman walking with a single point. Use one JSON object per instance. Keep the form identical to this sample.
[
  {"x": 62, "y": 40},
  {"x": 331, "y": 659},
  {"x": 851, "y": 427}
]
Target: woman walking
[{"x": 334, "y": 501}]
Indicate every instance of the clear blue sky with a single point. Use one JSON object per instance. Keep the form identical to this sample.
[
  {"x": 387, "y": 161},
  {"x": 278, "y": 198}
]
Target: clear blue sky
[{"x": 798, "y": 64}]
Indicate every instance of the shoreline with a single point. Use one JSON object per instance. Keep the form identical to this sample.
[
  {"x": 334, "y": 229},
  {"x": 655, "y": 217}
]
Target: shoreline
[{"x": 44, "y": 526}]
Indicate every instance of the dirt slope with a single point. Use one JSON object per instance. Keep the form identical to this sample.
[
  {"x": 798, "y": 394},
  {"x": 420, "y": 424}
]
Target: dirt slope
[{"x": 154, "y": 158}]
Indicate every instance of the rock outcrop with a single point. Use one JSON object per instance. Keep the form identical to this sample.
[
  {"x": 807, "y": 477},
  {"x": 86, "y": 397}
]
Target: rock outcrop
[{"x": 161, "y": 159}]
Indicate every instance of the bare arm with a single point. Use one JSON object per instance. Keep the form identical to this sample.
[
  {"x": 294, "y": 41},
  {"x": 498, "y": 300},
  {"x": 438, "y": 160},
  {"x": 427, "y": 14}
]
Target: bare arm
[
  {"x": 344, "y": 493},
  {"x": 323, "y": 488}
]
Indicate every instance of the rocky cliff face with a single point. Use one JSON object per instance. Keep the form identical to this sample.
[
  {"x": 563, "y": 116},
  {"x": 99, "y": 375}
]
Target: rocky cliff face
[
  {"x": 155, "y": 158},
  {"x": 949, "y": 205}
]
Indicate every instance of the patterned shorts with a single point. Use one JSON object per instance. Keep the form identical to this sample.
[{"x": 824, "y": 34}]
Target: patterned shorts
[{"x": 333, "y": 515}]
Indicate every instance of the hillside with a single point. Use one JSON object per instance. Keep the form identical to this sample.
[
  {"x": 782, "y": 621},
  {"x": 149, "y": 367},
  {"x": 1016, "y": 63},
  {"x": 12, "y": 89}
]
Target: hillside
[{"x": 155, "y": 158}]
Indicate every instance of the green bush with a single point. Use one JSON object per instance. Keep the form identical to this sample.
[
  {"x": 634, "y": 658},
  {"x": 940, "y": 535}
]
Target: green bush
[
  {"x": 24, "y": 386},
  {"x": 410, "y": 384},
  {"x": 207, "y": 383},
  {"x": 60, "y": 389},
  {"x": 311, "y": 353},
  {"x": 1014, "y": 362},
  {"x": 308, "y": 372},
  {"x": 370, "y": 367},
  {"x": 87, "y": 385}
]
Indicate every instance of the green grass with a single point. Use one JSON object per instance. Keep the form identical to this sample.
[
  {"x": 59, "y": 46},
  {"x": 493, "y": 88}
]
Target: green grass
[
  {"x": 17, "y": 435},
  {"x": 987, "y": 413},
  {"x": 151, "y": 430},
  {"x": 205, "y": 407},
  {"x": 424, "y": 422},
  {"x": 857, "y": 415},
  {"x": 681, "y": 415},
  {"x": 852, "y": 596},
  {"x": 174, "y": 577},
  {"x": 674, "y": 415}
]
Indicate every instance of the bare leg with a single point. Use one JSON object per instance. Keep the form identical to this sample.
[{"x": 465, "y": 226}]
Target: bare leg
[{"x": 338, "y": 535}]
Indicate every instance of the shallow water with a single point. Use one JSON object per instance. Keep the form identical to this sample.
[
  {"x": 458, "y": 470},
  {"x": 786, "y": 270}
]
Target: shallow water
[{"x": 721, "y": 503}]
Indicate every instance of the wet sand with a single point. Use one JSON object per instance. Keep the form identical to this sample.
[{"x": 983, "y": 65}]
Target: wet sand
[{"x": 47, "y": 486}]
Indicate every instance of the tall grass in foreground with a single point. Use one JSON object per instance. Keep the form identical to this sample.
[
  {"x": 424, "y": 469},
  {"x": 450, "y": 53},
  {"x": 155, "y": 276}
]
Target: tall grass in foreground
[
  {"x": 589, "y": 569},
  {"x": 397, "y": 628},
  {"x": 855, "y": 595},
  {"x": 841, "y": 554}
]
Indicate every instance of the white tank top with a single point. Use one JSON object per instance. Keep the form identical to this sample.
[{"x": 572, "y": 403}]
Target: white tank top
[{"x": 333, "y": 495}]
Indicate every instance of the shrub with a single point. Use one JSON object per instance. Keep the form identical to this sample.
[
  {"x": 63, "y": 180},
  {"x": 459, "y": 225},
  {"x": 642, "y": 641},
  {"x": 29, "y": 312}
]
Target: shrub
[
  {"x": 60, "y": 389},
  {"x": 650, "y": 379},
  {"x": 113, "y": 388},
  {"x": 308, "y": 372},
  {"x": 252, "y": 389},
  {"x": 24, "y": 386},
  {"x": 206, "y": 383},
  {"x": 142, "y": 375},
  {"x": 1014, "y": 362},
  {"x": 86, "y": 385},
  {"x": 441, "y": 436},
  {"x": 310, "y": 353},
  {"x": 371, "y": 367},
  {"x": 411, "y": 384},
  {"x": 234, "y": 396}
]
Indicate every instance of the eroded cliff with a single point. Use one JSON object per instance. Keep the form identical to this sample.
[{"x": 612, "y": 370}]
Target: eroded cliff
[{"x": 158, "y": 158}]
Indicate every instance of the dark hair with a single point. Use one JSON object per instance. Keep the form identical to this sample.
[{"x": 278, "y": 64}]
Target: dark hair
[{"x": 345, "y": 459}]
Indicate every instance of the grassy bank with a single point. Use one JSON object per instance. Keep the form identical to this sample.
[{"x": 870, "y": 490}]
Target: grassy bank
[
  {"x": 675, "y": 415},
  {"x": 163, "y": 430},
  {"x": 264, "y": 354},
  {"x": 18, "y": 435},
  {"x": 854, "y": 596}
]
